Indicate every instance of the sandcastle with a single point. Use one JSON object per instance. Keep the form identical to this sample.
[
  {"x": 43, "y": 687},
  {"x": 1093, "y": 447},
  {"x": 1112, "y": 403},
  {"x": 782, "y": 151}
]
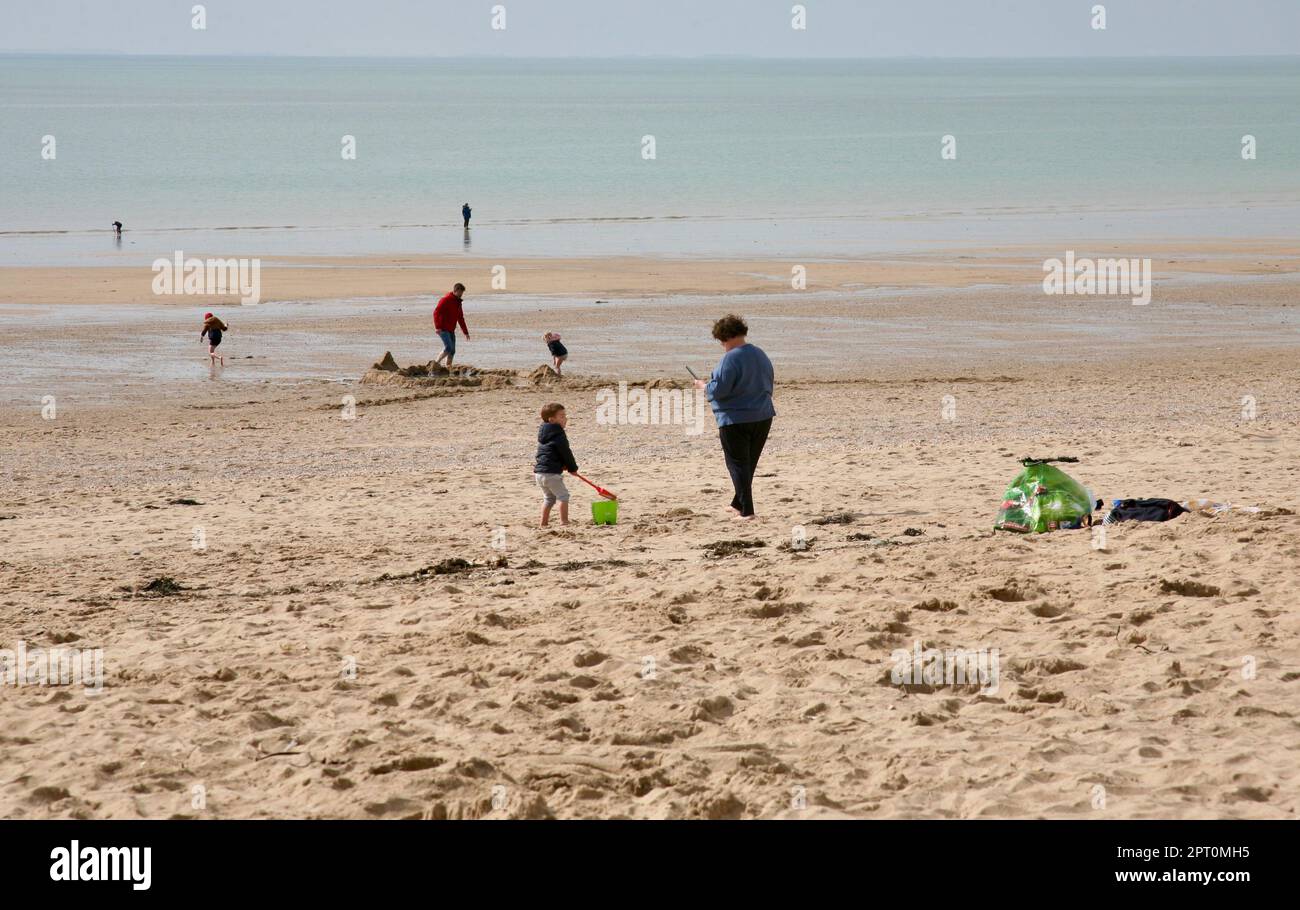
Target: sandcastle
[{"x": 432, "y": 375}]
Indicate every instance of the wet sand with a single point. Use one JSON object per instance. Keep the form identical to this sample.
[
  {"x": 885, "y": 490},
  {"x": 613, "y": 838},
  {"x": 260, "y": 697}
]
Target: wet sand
[
  {"x": 90, "y": 354},
  {"x": 296, "y": 278}
]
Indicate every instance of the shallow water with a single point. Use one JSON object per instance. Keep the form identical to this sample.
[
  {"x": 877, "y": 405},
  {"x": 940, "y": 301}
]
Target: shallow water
[
  {"x": 807, "y": 237},
  {"x": 99, "y": 353}
]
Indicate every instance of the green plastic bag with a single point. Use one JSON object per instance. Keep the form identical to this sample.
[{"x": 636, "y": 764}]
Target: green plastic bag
[{"x": 1044, "y": 498}]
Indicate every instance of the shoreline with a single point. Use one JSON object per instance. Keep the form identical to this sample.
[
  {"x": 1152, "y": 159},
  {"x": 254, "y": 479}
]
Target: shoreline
[{"x": 96, "y": 335}]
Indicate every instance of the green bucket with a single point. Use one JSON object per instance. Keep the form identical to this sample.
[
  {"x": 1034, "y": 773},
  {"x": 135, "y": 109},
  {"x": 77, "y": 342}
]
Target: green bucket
[{"x": 604, "y": 512}]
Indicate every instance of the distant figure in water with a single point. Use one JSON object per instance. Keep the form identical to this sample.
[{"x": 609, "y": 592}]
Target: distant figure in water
[
  {"x": 117, "y": 228},
  {"x": 212, "y": 329},
  {"x": 464, "y": 213}
]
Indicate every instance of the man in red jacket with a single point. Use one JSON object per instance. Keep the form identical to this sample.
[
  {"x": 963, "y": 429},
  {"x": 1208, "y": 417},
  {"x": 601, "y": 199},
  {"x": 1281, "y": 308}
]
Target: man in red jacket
[{"x": 446, "y": 316}]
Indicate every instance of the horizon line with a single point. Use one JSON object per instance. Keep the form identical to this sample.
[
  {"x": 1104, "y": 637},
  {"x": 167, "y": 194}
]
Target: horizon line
[{"x": 550, "y": 57}]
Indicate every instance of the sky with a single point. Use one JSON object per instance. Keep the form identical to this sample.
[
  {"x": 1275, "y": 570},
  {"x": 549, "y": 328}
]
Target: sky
[{"x": 682, "y": 28}]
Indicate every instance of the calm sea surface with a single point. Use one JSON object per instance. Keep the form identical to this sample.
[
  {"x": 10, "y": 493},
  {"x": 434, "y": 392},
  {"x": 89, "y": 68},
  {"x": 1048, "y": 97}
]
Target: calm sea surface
[{"x": 243, "y": 156}]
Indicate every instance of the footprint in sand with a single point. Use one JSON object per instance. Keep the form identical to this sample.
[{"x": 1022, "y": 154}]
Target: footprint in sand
[
  {"x": 1046, "y": 610},
  {"x": 589, "y": 658}
]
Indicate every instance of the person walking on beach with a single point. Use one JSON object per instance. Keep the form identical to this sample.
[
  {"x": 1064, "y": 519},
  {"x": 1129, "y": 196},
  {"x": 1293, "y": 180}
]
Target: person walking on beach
[
  {"x": 740, "y": 392},
  {"x": 446, "y": 316},
  {"x": 212, "y": 329},
  {"x": 464, "y": 213},
  {"x": 117, "y": 229}
]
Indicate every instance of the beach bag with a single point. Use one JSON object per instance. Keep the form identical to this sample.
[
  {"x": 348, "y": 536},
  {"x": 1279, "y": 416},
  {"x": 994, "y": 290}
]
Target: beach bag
[
  {"x": 1044, "y": 498},
  {"x": 1144, "y": 510}
]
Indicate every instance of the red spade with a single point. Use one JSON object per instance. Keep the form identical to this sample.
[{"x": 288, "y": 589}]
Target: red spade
[{"x": 601, "y": 490}]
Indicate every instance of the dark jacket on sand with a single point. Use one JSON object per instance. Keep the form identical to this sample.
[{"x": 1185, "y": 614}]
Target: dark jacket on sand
[
  {"x": 553, "y": 453},
  {"x": 212, "y": 322}
]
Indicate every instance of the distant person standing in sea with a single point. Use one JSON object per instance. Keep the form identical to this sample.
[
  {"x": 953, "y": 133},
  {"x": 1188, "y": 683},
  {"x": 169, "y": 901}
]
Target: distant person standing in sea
[
  {"x": 465, "y": 212},
  {"x": 740, "y": 391},
  {"x": 446, "y": 316},
  {"x": 117, "y": 228}
]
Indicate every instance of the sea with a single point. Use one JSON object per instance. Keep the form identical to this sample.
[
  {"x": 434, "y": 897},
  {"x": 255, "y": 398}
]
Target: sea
[{"x": 672, "y": 157}]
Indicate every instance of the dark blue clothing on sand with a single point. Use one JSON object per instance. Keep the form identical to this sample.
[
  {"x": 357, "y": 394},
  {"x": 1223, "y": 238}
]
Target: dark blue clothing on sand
[
  {"x": 553, "y": 453},
  {"x": 740, "y": 389}
]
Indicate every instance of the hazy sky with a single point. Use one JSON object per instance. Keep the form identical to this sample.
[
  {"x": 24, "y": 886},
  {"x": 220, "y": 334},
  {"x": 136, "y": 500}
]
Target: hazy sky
[{"x": 615, "y": 28}]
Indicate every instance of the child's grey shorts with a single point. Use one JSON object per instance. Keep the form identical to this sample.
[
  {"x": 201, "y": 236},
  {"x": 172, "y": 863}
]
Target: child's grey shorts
[{"x": 552, "y": 487}]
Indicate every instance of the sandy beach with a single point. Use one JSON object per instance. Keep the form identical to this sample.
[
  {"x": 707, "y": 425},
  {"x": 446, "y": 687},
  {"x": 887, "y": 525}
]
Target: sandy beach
[
  {"x": 374, "y": 627},
  {"x": 289, "y": 278}
]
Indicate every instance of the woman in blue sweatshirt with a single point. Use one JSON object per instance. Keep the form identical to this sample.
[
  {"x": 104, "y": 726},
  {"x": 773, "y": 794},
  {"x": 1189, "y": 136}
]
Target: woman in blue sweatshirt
[{"x": 740, "y": 391}]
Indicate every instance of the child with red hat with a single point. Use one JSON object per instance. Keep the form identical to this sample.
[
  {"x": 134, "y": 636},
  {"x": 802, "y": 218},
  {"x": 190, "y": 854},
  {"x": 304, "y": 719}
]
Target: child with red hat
[{"x": 212, "y": 329}]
